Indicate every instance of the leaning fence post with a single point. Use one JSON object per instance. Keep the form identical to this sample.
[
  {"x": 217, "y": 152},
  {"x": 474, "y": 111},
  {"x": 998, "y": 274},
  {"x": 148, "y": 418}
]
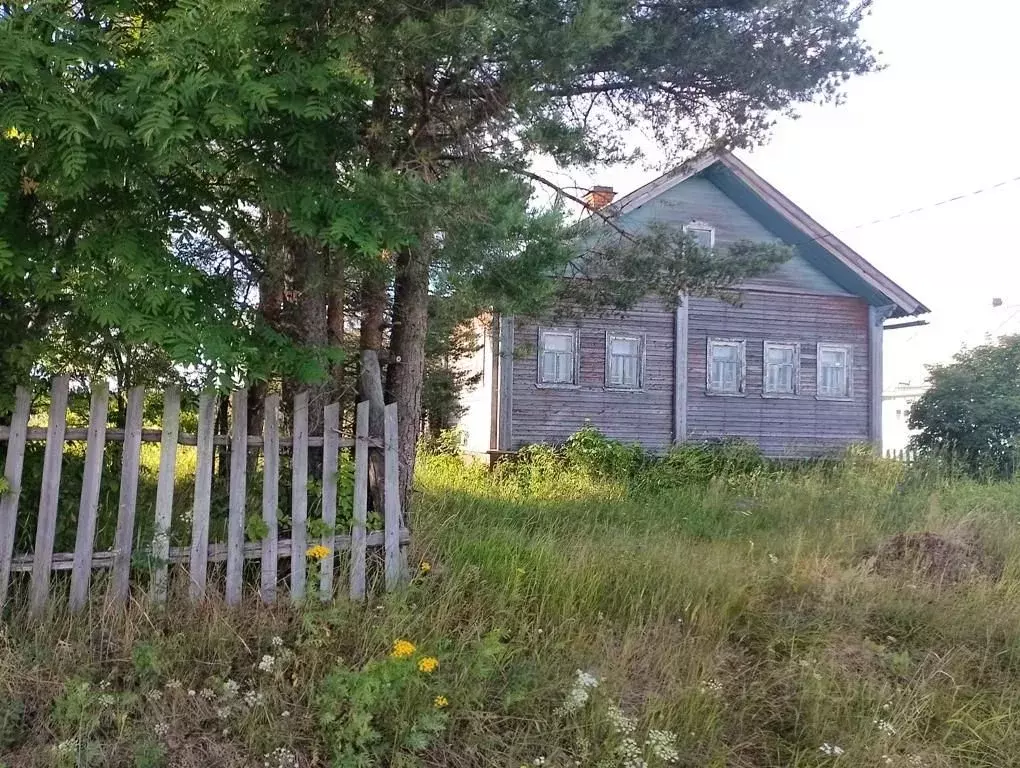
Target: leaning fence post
[
  {"x": 199, "y": 564},
  {"x": 46, "y": 526},
  {"x": 238, "y": 491},
  {"x": 124, "y": 537},
  {"x": 391, "y": 500},
  {"x": 12, "y": 471},
  {"x": 330, "y": 468},
  {"x": 360, "y": 512},
  {"x": 88, "y": 508},
  {"x": 270, "y": 497},
  {"x": 299, "y": 498},
  {"x": 165, "y": 493}
]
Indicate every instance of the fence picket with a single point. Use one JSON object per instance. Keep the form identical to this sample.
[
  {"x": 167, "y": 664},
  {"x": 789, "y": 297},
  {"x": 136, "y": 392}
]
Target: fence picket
[
  {"x": 238, "y": 491},
  {"x": 88, "y": 508},
  {"x": 299, "y": 498},
  {"x": 46, "y": 525},
  {"x": 391, "y": 500},
  {"x": 199, "y": 561},
  {"x": 330, "y": 469},
  {"x": 123, "y": 540},
  {"x": 13, "y": 467},
  {"x": 360, "y": 515},
  {"x": 270, "y": 497},
  {"x": 165, "y": 482}
]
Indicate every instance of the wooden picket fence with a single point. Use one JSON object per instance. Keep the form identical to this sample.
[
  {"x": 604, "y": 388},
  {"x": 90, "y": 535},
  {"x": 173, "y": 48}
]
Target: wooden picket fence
[
  {"x": 42, "y": 561},
  {"x": 907, "y": 456}
]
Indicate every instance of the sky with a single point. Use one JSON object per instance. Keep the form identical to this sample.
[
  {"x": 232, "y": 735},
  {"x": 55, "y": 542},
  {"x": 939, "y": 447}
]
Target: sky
[{"x": 939, "y": 121}]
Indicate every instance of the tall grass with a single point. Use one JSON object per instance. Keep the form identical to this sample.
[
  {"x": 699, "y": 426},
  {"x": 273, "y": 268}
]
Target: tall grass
[{"x": 743, "y": 608}]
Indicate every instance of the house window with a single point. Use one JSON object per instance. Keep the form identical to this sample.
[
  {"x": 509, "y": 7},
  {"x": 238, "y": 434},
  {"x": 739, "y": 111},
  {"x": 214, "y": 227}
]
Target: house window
[
  {"x": 834, "y": 362},
  {"x": 780, "y": 368},
  {"x": 703, "y": 234},
  {"x": 557, "y": 357},
  {"x": 624, "y": 361},
  {"x": 725, "y": 367}
]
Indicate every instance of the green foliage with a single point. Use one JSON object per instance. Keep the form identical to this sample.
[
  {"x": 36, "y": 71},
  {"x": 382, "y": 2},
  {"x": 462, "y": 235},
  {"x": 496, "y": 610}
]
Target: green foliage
[
  {"x": 590, "y": 452},
  {"x": 149, "y": 753},
  {"x": 5, "y": 487},
  {"x": 971, "y": 412},
  {"x": 382, "y": 712},
  {"x": 12, "y": 722}
]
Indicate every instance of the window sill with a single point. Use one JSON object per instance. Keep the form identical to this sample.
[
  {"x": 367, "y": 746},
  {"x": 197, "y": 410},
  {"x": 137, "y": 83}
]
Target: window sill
[
  {"x": 780, "y": 395},
  {"x": 557, "y": 386},
  {"x": 835, "y": 398},
  {"x": 711, "y": 393},
  {"x": 633, "y": 390}
]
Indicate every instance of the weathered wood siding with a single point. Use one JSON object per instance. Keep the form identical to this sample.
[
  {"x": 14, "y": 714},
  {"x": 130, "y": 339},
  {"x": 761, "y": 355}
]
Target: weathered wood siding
[
  {"x": 794, "y": 427},
  {"x": 698, "y": 199},
  {"x": 544, "y": 415}
]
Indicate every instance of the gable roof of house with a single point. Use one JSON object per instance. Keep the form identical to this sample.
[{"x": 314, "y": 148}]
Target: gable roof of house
[{"x": 778, "y": 213}]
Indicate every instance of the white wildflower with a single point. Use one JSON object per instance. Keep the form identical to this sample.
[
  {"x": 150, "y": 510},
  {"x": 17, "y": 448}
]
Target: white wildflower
[
  {"x": 539, "y": 760},
  {"x": 285, "y": 713},
  {"x": 579, "y": 693},
  {"x": 68, "y": 747},
  {"x": 276, "y": 642},
  {"x": 191, "y": 691},
  {"x": 105, "y": 685},
  {"x": 107, "y": 700},
  {"x": 832, "y": 750},
  {"x": 230, "y": 688},
  {"x": 162, "y": 730},
  {"x": 885, "y": 727},
  {"x": 663, "y": 745},
  {"x": 631, "y": 754},
  {"x": 620, "y": 722},
  {"x": 173, "y": 684},
  {"x": 154, "y": 695},
  {"x": 208, "y": 694},
  {"x": 887, "y": 760},
  {"x": 253, "y": 698},
  {"x": 773, "y": 559},
  {"x": 223, "y": 713},
  {"x": 267, "y": 663},
  {"x": 281, "y": 757},
  {"x": 711, "y": 686}
]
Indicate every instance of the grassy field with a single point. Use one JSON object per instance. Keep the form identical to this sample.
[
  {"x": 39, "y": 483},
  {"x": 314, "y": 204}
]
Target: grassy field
[{"x": 756, "y": 617}]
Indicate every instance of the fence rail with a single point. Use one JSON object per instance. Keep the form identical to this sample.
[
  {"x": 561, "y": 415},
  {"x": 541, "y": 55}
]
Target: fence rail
[{"x": 196, "y": 556}]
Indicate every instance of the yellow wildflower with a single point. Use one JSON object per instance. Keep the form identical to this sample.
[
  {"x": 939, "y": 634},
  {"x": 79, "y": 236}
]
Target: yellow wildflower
[
  {"x": 318, "y": 552},
  {"x": 402, "y": 649},
  {"x": 425, "y": 566},
  {"x": 440, "y": 702},
  {"x": 429, "y": 664}
]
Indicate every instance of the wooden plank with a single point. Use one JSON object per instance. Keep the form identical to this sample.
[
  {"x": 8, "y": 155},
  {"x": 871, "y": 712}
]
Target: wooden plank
[
  {"x": 215, "y": 553},
  {"x": 13, "y": 467},
  {"x": 299, "y": 498},
  {"x": 391, "y": 501},
  {"x": 876, "y": 319},
  {"x": 46, "y": 525},
  {"x": 88, "y": 507},
  {"x": 165, "y": 493},
  {"x": 76, "y": 435},
  {"x": 198, "y": 567},
  {"x": 680, "y": 371},
  {"x": 238, "y": 495},
  {"x": 120, "y": 585},
  {"x": 360, "y": 516},
  {"x": 505, "y": 386},
  {"x": 270, "y": 498},
  {"x": 330, "y": 469}
]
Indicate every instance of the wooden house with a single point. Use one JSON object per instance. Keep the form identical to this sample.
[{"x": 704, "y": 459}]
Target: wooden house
[{"x": 795, "y": 366}]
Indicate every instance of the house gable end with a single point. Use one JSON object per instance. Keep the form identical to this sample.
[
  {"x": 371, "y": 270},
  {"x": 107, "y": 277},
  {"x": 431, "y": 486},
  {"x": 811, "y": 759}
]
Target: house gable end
[{"x": 699, "y": 199}]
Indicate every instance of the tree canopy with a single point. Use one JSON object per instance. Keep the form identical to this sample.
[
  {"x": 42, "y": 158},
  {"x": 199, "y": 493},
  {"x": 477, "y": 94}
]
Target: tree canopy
[{"x": 971, "y": 411}]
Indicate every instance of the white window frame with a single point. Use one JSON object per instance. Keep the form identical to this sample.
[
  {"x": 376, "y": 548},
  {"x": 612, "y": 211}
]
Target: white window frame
[
  {"x": 612, "y": 336},
  {"x": 848, "y": 353},
  {"x": 574, "y": 334},
  {"x": 703, "y": 226},
  {"x": 786, "y": 345},
  {"x": 711, "y": 387}
]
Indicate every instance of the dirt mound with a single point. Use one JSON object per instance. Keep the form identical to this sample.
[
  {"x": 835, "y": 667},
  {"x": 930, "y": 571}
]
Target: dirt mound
[{"x": 935, "y": 558}]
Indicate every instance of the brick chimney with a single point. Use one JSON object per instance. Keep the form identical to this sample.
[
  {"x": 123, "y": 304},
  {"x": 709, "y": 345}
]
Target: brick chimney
[{"x": 598, "y": 197}]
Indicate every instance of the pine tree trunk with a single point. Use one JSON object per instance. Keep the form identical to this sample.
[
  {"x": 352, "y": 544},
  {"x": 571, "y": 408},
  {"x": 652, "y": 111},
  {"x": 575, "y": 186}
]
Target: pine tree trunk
[
  {"x": 370, "y": 381},
  {"x": 335, "y": 327},
  {"x": 310, "y": 320},
  {"x": 405, "y": 374}
]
